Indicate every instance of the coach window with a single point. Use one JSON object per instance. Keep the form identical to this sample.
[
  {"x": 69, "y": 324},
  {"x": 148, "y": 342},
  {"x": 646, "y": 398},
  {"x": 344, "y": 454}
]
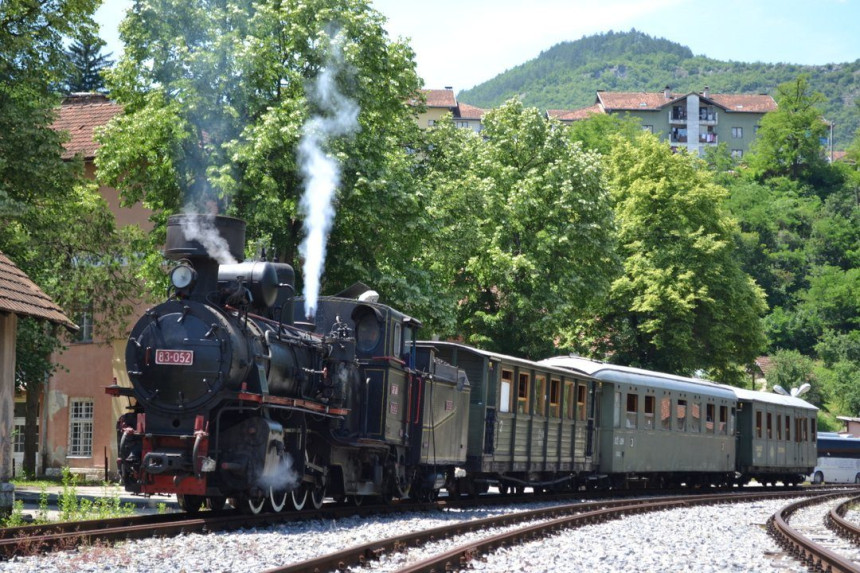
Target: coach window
[
  {"x": 540, "y": 395},
  {"x": 788, "y": 428},
  {"x": 649, "y": 412},
  {"x": 696, "y": 417},
  {"x": 554, "y": 398},
  {"x": 507, "y": 385},
  {"x": 814, "y": 429},
  {"x": 523, "y": 394},
  {"x": 769, "y": 426},
  {"x": 758, "y": 424},
  {"x": 724, "y": 420},
  {"x": 581, "y": 393},
  {"x": 666, "y": 413},
  {"x": 632, "y": 410},
  {"x": 617, "y": 418},
  {"x": 681, "y": 416},
  {"x": 568, "y": 400},
  {"x": 779, "y": 426},
  {"x": 710, "y": 422}
]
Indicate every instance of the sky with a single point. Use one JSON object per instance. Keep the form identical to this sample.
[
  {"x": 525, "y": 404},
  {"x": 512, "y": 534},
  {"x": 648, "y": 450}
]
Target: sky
[{"x": 462, "y": 43}]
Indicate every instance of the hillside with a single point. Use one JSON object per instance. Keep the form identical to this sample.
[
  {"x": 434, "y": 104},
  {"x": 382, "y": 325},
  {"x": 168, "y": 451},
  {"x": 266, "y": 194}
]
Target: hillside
[{"x": 567, "y": 75}]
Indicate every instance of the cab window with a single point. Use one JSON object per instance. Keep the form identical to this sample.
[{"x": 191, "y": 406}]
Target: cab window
[{"x": 507, "y": 386}]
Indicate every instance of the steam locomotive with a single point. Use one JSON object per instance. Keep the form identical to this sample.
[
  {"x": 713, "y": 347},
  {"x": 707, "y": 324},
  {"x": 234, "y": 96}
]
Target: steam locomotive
[{"x": 233, "y": 399}]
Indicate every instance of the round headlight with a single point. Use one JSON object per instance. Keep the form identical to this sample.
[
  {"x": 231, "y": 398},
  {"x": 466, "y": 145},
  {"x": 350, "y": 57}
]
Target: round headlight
[{"x": 182, "y": 276}]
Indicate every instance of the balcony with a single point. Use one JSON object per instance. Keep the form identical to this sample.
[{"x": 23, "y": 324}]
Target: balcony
[
  {"x": 677, "y": 116},
  {"x": 707, "y": 116},
  {"x": 708, "y": 138}
]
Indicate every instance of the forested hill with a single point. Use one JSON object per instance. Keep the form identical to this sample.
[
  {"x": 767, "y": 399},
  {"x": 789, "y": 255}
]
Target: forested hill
[{"x": 567, "y": 76}]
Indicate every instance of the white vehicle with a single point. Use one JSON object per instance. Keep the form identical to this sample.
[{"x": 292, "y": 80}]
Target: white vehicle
[{"x": 838, "y": 460}]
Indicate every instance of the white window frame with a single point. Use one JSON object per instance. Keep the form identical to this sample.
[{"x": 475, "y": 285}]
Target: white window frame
[
  {"x": 81, "y": 416},
  {"x": 737, "y": 133}
]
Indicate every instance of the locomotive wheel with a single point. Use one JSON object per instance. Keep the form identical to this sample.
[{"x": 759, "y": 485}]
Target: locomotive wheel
[
  {"x": 190, "y": 504},
  {"x": 278, "y": 499},
  {"x": 251, "y": 504},
  {"x": 299, "y": 497},
  {"x": 317, "y": 496}
]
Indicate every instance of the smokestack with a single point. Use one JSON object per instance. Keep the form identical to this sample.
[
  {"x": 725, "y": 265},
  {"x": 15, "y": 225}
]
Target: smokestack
[
  {"x": 707, "y": 92},
  {"x": 667, "y": 92},
  {"x": 206, "y": 241}
]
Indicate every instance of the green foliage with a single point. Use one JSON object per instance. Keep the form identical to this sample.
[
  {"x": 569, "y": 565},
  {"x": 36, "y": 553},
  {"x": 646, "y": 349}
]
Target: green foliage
[
  {"x": 788, "y": 141},
  {"x": 86, "y": 64},
  {"x": 683, "y": 302},
  {"x": 791, "y": 369},
  {"x": 568, "y": 75},
  {"x": 524, "y": 232},
  {"x": 74, "y": 508},
  {"x": 216, "y": 98}
]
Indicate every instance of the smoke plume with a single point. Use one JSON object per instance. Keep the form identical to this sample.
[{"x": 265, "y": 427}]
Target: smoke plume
[
  {"x": 201, "y": 228},
  {"x": 338, "y": 116}
]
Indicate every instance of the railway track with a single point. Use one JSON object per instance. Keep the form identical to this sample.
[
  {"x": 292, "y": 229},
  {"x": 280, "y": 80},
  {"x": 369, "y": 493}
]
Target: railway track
[
  {"x": 815, "y": 555},
  {"x": 519, "y": 528},
  {"x": 35, "y": 539}
]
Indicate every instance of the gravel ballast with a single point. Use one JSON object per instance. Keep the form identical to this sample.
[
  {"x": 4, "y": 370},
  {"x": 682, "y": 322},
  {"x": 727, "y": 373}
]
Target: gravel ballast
[{"x": 714, "y": 538}]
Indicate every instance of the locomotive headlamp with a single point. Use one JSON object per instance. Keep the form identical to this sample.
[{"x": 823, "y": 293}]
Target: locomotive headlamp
[{"x": 182, "y": 277}]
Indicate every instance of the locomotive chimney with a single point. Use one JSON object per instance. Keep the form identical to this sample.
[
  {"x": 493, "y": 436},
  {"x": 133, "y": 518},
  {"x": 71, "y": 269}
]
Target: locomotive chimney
[{"x": 227, "y": 230}]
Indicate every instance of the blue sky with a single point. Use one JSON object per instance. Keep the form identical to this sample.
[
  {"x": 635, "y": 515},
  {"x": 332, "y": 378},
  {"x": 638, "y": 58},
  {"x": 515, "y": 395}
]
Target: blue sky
[{"x": 461, "y": 43}]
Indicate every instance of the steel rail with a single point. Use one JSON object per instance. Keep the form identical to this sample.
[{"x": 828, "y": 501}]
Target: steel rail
[
  {"x": 559, "y": 517},
  {"x": 815, "y": 556}
]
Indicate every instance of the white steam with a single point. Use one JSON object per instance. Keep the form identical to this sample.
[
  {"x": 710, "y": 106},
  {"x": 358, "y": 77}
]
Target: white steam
[
  {"x": 320, "y": 171},
  {"x": 201, "y": 228}
]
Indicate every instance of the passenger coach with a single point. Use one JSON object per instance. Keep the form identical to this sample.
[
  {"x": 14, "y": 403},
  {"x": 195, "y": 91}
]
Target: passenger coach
[
  {"x": 776, "y": 437},
  {"x": 659, "y": 429},
  {"x": 530, "y": 424}
]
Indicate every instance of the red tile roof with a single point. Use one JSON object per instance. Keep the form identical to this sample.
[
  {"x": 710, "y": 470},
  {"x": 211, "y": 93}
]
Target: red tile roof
[
  {"x": 440, "y": 98},
  {"x": 79, "y": 115},
  {"x": 467, "y": 111},
  {"x": 755, "y": 103},
  {"x": 574, "y": 114},
  {"x": 20, "y": 295},
  {"x": 653, "y": 101}
]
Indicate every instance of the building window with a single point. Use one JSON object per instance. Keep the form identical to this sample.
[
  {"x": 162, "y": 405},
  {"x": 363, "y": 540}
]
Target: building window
[
  {"x": 431, "y": 122},
  {"x": 84, "y": 320},
  {"x": 648, "y": 128},
  {"x": 737, "y": 153},
  {"x": 81, "y": 428},
  {"x": 737, "y": 133}
]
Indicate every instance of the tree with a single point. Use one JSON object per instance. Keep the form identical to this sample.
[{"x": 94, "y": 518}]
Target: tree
[
  {"x": 56, "y": 227},
  {"x": 683, "y": 303},
  {"x": 524, "y": 230},
  {"x": 217, "y": 95},
  {"x": 791, "y": 369},
  {"x": 788, "y": 142},
  {"x": 86, "y": 64}
]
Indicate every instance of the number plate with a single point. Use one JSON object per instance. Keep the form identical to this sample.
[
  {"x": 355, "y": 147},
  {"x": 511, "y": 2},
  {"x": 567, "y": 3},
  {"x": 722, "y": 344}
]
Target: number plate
[{"x": 174, "y": 357}]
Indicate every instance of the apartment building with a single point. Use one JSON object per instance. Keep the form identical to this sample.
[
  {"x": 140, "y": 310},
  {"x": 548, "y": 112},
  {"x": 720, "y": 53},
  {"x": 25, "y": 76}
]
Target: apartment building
[{"x": 691, "y": 121}]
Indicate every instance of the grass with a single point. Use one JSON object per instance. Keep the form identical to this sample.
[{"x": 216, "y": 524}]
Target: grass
[{"x": 70, "y": 506}]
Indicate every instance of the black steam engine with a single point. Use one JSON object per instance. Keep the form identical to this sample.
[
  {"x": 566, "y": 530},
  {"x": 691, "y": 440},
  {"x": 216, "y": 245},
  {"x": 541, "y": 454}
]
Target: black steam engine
[{"x": 230, "y": 398}]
